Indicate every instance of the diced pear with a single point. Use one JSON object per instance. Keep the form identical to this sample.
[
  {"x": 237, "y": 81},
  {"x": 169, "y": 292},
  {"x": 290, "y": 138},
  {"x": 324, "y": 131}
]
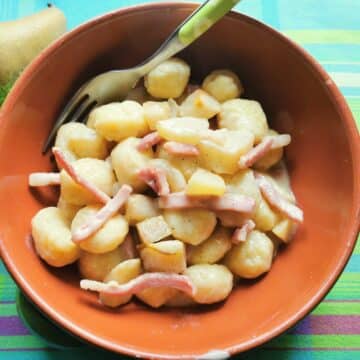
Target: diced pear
[{"x": 204, "y": 182}]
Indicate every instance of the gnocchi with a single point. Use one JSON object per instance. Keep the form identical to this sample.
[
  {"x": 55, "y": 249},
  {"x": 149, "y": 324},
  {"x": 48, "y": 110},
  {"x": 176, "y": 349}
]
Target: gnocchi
[
  {"x": 223, "y": 85},
  {"x": 168, "y": 80},
  {"x": 170, "y": 193}
]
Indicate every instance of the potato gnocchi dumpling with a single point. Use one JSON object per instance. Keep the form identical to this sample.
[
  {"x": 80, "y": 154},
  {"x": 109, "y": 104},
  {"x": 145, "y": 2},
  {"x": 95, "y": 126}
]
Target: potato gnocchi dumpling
[
  {"x": 221, "y": 150},
  {"x": 192, "y": 226},
  {"x": 121, "y": 273},
  {"x": 168, "y": 195},
  {"x": 80, "y": 141},
  {"x": 200, "y": 104},
  {"x": 140, "y": 207},
  {"x": 97, "y": 172},
  {"x": 242, "y": 114},
  {"x": 155, "y": 111},
  {"x": 97, "y": 266},
  {"x": 211, "y": 250},
  {"x": 127, "y": 160},
  {"x": 110, "y": 236},
  {"x": 213, "y": 282},
  {"x": 251, "y": 258},
  {"x": 118, "y": 121},
  {"x": 168, "y": 80},
  {"x": 223, "y": 85},
  {"x": 52, "y": 237},
  {"x": 164, "y": 256}
]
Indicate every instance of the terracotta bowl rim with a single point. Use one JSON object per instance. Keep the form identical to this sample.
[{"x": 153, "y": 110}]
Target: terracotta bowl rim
[{"x": 351, "y": 134}]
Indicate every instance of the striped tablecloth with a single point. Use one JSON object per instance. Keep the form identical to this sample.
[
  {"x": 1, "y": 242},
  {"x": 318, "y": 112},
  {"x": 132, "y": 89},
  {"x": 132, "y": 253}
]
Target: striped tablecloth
[{"x": 330, "y": 31}]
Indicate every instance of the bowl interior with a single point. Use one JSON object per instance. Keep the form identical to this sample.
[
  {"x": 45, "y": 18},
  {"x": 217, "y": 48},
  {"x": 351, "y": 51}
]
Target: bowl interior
[{"x": 296, "y": 98}]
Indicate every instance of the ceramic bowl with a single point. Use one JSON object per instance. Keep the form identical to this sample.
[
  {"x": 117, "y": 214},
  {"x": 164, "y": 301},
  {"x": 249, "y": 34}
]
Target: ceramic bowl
[{"x": 298, "y": 97}]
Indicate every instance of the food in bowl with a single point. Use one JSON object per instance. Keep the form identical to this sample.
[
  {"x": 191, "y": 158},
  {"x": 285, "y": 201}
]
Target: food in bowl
[{"x": 170, "y": 193}]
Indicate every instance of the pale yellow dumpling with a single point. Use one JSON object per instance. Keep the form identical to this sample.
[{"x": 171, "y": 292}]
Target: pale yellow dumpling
[
  {"x": 168, "y": 79},
  {"x": 121, "y": 273},
  {"x": 242, "y": 114},
  {"x": 140, "y": 207},
  {"x": 107, "y": 238},
  {"x": 200, "y": 104},
  {"x": 192, "y": 226},
  {"x": 211, "y": 250},
  {"x": 205, "y": 183},
  {"x": 156, "y": 297},
  {"x": 223, "y": 85},
  {"x": 164, "y": 256},
  {"x": 79, "y": 141},
  {"x": 251, "y": 258},
  {"x": 118, "y": 121},
  {"x": 213, "y": 283},
  {"x": 52, "y": 237},
  {"x": 155, "y": 111},
  {"x": 97, "y": 266},
  {"x": 68, "y": 210},
  {"x": 127, "y": 160},
  {"x": 221, "y": 151},
  {"x": 97, "y": 172}
]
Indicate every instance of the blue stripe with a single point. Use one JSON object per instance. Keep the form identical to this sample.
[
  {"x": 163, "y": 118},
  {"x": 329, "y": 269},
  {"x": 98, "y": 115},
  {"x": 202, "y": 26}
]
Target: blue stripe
[
  {"x": 354, "y": 264},
  {"x": 334, "y": 52},
  {"x": 270, "y": 13},
  {"x": 351, "y": 68}
]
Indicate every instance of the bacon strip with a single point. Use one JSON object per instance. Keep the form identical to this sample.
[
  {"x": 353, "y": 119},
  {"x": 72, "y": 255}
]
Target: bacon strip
[
  {"x": 231, "y": 202},
  {"x": 95, "y": 222},
  {"x": 256, "y": 153},
  {"x": 44, "y": 179},
  {"x": 67, "y": 166},
  {"x": 260, "y": 150},
  {"x": 156, "y": 179},
  {"x": 242, "y": 233},
  {"x": 148, "y": 141},
  {"x": 276, "y": 200},
  {"x": 176, "y": 148},
  {"x": 129, "y": 247},
  {"x": 140, "y": 283}
]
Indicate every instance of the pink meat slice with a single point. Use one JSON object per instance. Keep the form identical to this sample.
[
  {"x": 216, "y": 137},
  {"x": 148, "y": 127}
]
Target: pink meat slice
[
  {"x": 230, "y": 202},
  {"x": 66, "y": 165},
  {"x": 240, "y": 234},
  {"x": 95, "y": 222},
  {"x": 129, "y": 247},
  {"x": 148, "y": 141},
  {"x": 277, "y": 201},
  {"x": 256, "y": 153},
  {"x": 156, "y": 179},
  {"x": 44, "y": 179},
  {"x": 176, "y": 148},
  {"x": 260, "y": 150},
  {"x": 140, "y": 283}
]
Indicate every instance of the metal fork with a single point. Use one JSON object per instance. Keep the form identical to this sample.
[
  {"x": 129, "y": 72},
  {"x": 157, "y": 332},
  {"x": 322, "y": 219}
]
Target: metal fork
[{"x": 116, "y": 84}]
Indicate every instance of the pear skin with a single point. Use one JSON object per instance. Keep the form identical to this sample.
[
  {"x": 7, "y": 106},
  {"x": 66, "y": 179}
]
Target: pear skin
[{"x": 21, "y": 40}]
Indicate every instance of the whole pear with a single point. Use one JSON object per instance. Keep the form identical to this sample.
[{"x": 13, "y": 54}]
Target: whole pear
[{"x": 21, "y": 40}]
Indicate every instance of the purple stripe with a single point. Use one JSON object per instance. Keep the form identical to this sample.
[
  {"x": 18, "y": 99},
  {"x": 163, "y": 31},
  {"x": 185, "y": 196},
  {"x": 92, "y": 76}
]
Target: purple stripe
[
  {"x": 7, "y": 302},
  {"x": 12, "y": 325},
  {"x": 328, "y": 324}
]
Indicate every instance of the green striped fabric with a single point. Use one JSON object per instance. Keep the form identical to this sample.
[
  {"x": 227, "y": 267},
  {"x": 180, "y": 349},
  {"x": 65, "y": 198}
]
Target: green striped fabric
[{"x": 330, "y": 31}]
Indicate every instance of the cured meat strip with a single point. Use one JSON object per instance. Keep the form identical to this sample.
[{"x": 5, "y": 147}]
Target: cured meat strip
[
  {"x": 140, "y": 283},
  {"x": 67, "y": 166},
  {"x": 277, "y": 201},
  {"x": 242, "y": 233},
  {"x": 176, "y": 148},
  {"x": 230, "y": 202},
  {"x": 44, "y": 179},
  {"x": 95, "y": 222},
  {"x": 148, "y": 141},
  {"x": 156, "y": 179}
]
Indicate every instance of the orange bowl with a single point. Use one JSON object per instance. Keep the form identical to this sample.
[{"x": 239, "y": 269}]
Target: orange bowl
[{"x": 298, "y": 97}]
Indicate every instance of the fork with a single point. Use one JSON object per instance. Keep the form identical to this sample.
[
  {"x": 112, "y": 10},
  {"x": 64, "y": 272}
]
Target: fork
[{"x": 116, "y": 84}]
